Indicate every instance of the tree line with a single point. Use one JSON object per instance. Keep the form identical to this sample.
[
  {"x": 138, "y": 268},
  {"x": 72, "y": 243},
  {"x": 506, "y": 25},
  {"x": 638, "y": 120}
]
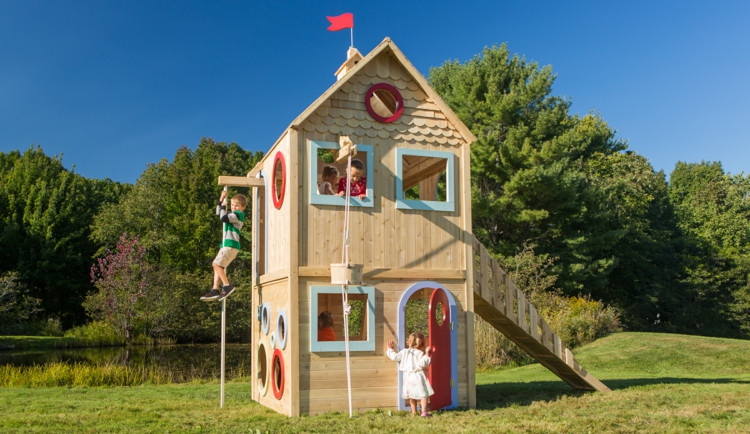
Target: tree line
[{"x": 669, "y": 256}]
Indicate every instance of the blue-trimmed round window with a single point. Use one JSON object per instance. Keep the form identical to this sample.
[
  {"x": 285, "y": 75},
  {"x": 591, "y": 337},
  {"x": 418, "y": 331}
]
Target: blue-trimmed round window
[{"x": 282, "y": 328}]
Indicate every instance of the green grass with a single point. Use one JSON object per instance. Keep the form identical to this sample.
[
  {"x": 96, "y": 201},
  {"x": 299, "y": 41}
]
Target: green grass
[{"x": 660, "y": 383}]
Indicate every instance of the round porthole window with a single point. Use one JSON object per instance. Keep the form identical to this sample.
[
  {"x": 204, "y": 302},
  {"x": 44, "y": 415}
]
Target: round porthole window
[
  {"x": 384, "y": 102},
  {"x": 277, "y": 372},
  {"x": 265, "y": 318},
  {"x": 281, "y": 328},
  {"x": 278, "y": 180},
  {"x": 262, "y": 369}
]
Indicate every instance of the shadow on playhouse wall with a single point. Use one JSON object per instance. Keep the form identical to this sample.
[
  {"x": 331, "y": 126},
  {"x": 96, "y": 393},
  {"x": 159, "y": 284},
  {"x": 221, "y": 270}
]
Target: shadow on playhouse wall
[{"x": 411, "y": 233}]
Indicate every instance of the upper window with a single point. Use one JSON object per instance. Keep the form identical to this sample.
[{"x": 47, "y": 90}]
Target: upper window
[
  {"x": 328, "y": 178},
  {"x": 425, "y": 180},
  {"x": 327, "y": 318}
]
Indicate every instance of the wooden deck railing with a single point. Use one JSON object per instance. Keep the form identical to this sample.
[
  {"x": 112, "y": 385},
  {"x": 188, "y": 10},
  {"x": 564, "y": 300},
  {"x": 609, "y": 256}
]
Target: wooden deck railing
[{"x": 501, "y": 304}]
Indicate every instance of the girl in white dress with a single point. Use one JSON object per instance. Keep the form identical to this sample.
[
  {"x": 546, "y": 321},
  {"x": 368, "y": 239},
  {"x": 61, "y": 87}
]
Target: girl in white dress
[
  {"x": 413, "y": 362},
  {"x": 330, "y": 177}
]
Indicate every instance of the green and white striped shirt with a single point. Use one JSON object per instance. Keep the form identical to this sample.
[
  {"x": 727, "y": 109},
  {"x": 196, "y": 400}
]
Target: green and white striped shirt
[{"x": 233, "y": 222}]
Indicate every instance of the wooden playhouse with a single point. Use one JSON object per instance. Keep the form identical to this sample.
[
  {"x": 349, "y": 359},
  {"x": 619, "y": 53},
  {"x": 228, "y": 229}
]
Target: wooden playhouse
[{"x": 412, "y": 234}]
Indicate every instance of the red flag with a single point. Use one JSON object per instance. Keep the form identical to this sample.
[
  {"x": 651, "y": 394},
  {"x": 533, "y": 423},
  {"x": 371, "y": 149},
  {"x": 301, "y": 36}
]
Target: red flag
[{"x": 343, "y": 21}]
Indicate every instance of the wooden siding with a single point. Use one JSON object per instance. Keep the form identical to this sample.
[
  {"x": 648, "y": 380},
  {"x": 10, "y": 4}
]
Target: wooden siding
[
  {"x": 279, "y": 220},
  {"x": 429, "y": 239},
  {"x": 322, "y": 376},
  {"x": 276, "y": 295}
]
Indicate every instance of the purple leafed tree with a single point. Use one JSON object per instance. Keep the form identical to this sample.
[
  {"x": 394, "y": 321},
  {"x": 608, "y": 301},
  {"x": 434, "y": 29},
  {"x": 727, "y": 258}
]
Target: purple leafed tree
[{"x": 122, "y": 278}]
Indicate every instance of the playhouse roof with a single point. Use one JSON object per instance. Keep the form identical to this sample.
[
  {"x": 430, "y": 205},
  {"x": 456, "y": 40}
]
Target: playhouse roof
[{"x": 387, "y": 46}]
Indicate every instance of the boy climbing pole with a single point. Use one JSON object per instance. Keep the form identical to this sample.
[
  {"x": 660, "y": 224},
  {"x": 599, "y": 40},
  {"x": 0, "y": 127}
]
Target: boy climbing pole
[{"x": 230, "y": 243}]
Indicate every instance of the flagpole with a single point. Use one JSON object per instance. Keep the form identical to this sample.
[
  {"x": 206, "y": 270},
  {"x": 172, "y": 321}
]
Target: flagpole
[{"x": 351, "y": 29}]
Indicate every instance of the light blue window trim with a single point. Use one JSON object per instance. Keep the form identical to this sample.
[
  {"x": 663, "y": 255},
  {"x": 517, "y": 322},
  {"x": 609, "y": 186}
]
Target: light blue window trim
[
  {"x": 324, "y": 199},
  {"x": 367, "y": 345},
  {"x": 431, "y": 205}
]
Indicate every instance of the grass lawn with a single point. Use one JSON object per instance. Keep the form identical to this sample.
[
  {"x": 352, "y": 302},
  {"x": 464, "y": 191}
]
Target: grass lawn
[{"x": 660, "y": 383}]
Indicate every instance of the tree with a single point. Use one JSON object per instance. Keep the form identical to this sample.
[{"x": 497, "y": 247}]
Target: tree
[
  {"x": 46, "y": 212},
  {"x": 123, "y": 279},
  {"x": 16, "y": 306},
  {"x": 713, "y": 210},
  {"x": 171, "y": 211},
  {"x": 528, "y": 164},
  {"x": 629, "y": 230},
  {"x": 564, "y": 184}
]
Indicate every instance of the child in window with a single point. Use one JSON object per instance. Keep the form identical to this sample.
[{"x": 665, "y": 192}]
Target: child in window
[
  {"x": 325, "y": 327},
  {"x": 358, "y": 186},
  {"x": 329, "y": 178},
  {"x": 412, "y": 363}
]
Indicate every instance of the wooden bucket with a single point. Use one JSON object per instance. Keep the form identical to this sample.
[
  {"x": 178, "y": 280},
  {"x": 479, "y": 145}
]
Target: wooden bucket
[{"x": 346, "y": 274}]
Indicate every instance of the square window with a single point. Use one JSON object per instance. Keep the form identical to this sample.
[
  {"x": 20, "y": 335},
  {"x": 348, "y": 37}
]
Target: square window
[
  {"x": 327, "y": 314},
  {"x": 323, "y": 161},
  {"x": 425, "y": 180}
]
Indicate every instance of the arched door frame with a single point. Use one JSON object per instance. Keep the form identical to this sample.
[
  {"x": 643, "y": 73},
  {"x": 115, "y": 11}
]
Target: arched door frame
[{"x": 454, "y": 334}]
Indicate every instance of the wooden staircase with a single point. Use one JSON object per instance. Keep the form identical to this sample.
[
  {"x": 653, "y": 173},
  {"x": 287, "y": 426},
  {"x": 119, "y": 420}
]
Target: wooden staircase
[{"x": 502, "y": 305}]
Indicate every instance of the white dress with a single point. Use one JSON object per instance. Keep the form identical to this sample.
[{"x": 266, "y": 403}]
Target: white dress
[
  {"x": 412, "y": 363},
  {"x": 325, "y": 188}
]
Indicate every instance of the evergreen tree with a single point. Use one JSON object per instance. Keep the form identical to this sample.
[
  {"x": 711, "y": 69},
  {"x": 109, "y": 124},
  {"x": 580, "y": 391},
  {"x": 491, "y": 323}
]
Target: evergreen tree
[
  {"x": 46, "y": 212},
  {"x": 544, "y": 177}
]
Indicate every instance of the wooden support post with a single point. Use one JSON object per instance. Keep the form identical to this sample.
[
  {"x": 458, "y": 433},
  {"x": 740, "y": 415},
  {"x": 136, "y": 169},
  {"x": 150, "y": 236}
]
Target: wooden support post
[
  {"x": 534, "y": 323},
  {"x": 521, "y": 299},
  {"x": 497, "y": 276},
  {"x": 547, "y": 335},
  {"x": 483, "y": 268},
  {"x": 557, "y": 346},
  {"x": 510, "y": 297}
]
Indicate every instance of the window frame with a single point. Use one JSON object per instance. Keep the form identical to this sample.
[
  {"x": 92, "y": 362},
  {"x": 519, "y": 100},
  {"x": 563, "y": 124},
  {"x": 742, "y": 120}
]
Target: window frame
[
  {"x": 338, "y": 346},
  {"x": 449, "y": 204},
  {"x": 324, "y": 199}
]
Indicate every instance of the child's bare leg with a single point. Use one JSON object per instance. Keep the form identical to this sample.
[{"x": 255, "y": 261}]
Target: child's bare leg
[
  {"x": 413, "y": 404},
  {"x": 220, "y": 275},
  {"x": 423, "y": 401}
]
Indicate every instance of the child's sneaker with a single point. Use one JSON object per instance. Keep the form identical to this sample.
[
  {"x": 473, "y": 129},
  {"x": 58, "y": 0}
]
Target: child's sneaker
[
  {"x": 226, "y": 291},
  {"x": 211, "y": 295},
  {"x": 425, "y": 414}
]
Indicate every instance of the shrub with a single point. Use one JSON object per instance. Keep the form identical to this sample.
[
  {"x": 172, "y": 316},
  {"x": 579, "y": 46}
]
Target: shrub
[
  {"x": 17, "y": 308},
  {"x": 576, "y": 320},
  {"x": 96, "y": 333}
]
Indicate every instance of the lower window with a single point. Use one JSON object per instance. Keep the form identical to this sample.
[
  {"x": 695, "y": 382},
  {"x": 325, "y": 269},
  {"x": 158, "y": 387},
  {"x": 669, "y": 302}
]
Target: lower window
[{"x": 327, "y": 318}]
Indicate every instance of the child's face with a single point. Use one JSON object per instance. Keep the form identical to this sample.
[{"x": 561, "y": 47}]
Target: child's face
[
  {"x": 355, "y": 174},
  {"x": 236, "y": 206},
  {"x": 331, "y": 179}
]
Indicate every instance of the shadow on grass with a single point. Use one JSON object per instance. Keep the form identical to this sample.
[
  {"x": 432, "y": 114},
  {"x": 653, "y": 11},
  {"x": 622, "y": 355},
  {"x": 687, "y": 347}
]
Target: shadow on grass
[{"x": 499, "y": 395}]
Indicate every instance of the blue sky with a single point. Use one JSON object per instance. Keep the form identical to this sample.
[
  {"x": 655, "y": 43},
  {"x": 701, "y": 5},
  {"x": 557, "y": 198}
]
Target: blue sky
[{"x": 116, "y": 85}]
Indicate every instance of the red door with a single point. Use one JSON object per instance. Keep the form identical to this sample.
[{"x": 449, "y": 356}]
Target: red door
[{"x": 440, "y": 340}]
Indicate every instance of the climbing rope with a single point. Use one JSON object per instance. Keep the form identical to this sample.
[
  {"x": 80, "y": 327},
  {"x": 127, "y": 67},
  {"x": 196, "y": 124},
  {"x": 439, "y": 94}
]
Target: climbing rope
[{"x": 345, "y": 286}]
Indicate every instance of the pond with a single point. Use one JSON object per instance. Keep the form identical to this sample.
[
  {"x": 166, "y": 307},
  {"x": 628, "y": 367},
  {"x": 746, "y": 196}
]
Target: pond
[{"x": 184, "y": 362}]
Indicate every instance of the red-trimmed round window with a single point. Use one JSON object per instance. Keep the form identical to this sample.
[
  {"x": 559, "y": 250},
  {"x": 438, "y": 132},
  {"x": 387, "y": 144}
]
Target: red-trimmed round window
[
  {"x": 278, "y": 180},
  {"x": 384, "y": 102},
  {"x": 277, "y": 373}
]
